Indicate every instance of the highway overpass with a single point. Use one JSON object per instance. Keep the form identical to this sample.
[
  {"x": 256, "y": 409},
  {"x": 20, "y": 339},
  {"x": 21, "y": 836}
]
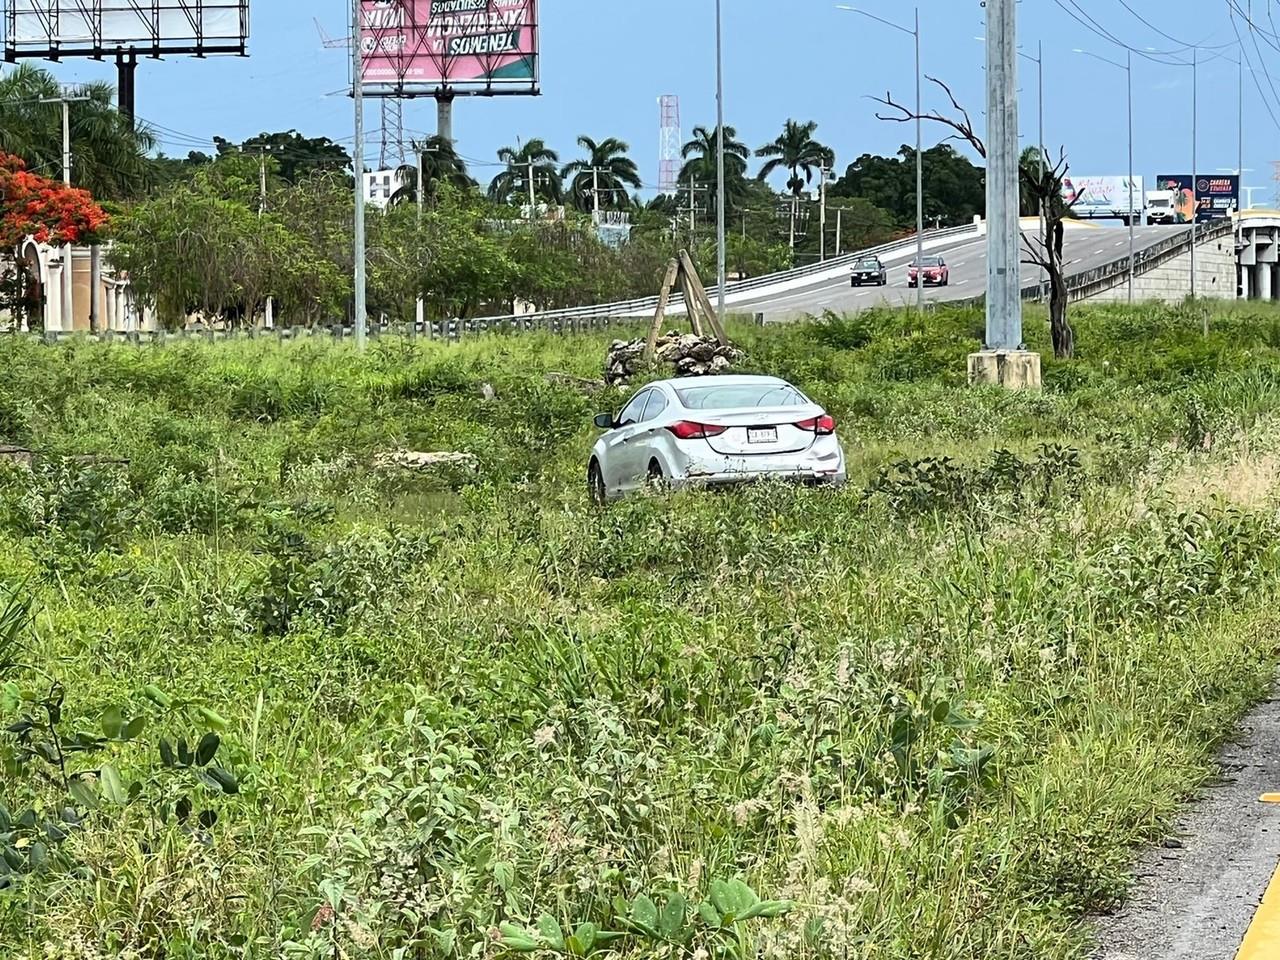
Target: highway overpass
[{"x": 1097, "y": 267}]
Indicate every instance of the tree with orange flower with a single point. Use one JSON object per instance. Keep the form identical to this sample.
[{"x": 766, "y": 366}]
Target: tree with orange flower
[{"x": 35, "y": 206}]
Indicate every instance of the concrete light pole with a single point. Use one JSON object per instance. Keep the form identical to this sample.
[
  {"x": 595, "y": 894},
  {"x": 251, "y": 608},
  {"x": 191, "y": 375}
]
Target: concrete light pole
[
  {"x": 915, "y": 34},
  {"x": 1004, "y": 300}
]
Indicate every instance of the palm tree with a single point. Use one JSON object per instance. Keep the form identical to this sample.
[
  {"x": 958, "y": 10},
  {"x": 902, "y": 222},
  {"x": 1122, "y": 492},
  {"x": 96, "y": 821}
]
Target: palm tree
[
  {"x": 699, "y": 170},
  {"x": 440, "y": 164},
  {"x": 797, "y": 151},
  {"x": 534, "y": 159},
  {"x": 108, "y": 156},
  {"x": 607, "y": 172}
]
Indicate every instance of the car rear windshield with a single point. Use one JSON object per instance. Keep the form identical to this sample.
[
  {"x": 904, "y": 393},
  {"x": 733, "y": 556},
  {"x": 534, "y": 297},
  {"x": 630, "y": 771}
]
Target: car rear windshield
[
  {"x": 928, "y": 262},
  {"x": 737, "y": 395},
  {"x": 867, "y": 265}
]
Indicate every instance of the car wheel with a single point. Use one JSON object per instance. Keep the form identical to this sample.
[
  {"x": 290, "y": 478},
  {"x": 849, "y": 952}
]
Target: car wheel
[
  {"x": 595, "y": 485},
  {"x": 656, "y": 478}
]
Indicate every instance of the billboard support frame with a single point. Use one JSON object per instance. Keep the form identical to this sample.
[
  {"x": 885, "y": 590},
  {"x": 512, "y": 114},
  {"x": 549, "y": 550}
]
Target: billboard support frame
[{"x": 99, "y": 46}]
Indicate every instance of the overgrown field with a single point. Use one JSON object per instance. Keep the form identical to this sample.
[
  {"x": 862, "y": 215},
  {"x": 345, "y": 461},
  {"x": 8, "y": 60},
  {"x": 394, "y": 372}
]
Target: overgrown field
[{"x": 265, "y": 700}]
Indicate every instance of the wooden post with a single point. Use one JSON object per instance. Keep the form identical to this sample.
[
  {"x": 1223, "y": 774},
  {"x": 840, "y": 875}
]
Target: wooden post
[
  {"x": 693, "y": 306},
  {"x": 704, "y": 301},
  {"x": 655, "y": 331}
]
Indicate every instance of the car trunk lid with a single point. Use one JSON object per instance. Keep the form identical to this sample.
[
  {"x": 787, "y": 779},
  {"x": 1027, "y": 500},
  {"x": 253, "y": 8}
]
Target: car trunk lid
[{"x": 763, "y": 432}]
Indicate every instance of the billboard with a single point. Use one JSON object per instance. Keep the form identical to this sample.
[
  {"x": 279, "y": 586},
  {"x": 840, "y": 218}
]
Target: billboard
[
  {"x": 461, "y": 47},
  {"x": 70, "y": 28},
  {"x": 1212, "y": 197},
  {"x": 1102, "y": 197}
]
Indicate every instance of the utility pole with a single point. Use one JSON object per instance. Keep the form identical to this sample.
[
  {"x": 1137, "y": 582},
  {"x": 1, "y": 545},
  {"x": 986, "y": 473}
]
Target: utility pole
[
  {"x": 67, "y": 320},
  {"x": 533, "y": 200},
  {"x": 822, "y": 215},
  {"x": 420, "y": 308},
  {"x": 357, "y": 80},
  {"x": 839, "y": 225},
  {"x": 720, "y": 179},
  {"x": 268, "y": 318},
  {"x": 1004, "y": 296},
  {"x": 68, "y": 314},
  {"x": 692, "y": 209},
  {"x": 595, "y": 192}
]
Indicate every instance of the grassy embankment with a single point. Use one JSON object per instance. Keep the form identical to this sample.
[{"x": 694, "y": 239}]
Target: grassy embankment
[{"x": 935, "y": 711}]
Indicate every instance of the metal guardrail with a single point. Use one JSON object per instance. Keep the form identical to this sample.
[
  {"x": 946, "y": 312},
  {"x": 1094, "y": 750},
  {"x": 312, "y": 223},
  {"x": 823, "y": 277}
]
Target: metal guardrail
[
  {"x": 647, "y": 305},
  {"x": 1089, "y": 283}
]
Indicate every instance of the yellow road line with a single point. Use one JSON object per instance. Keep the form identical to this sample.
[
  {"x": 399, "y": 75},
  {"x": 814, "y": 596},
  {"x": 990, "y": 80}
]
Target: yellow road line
[
  {"x": 1270, "y": 798},
  {"x": 1262, "y": 942}
]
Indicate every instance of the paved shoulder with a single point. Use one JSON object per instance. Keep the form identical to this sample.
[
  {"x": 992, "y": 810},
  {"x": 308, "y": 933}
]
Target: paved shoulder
[{"x": 1197, "y": 900}]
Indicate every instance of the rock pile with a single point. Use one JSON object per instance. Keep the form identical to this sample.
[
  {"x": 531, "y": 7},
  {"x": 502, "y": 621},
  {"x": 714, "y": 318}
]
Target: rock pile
[
  {"x": 413, "y": 460},
  {"x": 689, "y": 355}
]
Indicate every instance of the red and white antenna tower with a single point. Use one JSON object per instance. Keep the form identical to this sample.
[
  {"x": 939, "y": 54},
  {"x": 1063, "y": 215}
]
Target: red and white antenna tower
[{"x": 669, "y": 144}]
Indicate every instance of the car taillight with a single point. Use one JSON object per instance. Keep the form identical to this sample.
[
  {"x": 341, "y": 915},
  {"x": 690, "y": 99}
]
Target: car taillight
[
  {"x": 687, "y": 430},
  {"x": 823, "y": 426}
]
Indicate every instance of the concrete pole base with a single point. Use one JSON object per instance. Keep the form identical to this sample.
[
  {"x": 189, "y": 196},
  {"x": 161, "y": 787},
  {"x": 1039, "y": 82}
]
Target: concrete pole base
[{"x": 1011, "y": 369}]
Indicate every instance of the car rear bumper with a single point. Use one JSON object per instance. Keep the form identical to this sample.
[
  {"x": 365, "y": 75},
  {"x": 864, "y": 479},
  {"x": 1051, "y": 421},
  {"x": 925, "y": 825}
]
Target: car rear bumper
[
  {"x": 758, "y": 476},
  {"x": 823, "y": 463}
]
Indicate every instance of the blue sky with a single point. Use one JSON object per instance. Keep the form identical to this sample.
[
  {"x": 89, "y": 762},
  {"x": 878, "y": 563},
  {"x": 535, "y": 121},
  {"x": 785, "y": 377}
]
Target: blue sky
[{"x": 606, "y": 62}]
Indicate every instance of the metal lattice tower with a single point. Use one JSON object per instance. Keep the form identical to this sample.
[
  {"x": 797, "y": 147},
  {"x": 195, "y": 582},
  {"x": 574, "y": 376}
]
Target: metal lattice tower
[
  {"x": 1275, "y": 165},
  {"x": 392, "y": 154},
  {"x": 669, "y": 144}
]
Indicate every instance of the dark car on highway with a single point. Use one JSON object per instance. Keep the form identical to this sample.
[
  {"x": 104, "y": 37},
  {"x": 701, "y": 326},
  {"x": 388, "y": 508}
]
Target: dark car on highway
[{"x": 869, "y": 270}]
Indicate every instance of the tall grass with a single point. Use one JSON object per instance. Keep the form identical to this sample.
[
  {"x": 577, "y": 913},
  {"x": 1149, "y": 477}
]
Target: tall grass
[{"x": 935, "y": 711}]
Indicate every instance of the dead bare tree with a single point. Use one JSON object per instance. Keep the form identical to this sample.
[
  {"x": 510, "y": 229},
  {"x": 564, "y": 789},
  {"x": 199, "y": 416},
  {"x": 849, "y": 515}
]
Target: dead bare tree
[
  {"x": 963, "y": 127},
  {"x": 1046, "y": 250}
]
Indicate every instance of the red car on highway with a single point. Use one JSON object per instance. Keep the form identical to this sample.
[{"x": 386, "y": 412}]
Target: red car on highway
[{"x": 934, "y": 271}]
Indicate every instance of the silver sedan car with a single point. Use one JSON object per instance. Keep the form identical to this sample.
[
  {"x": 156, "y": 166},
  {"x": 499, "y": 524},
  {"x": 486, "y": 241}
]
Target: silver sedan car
[{"x": 711, "y": 431}]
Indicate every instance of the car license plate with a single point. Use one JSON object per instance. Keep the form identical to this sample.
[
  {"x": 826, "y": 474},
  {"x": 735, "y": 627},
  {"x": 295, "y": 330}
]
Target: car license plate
[{"x": 762, "y": 435}]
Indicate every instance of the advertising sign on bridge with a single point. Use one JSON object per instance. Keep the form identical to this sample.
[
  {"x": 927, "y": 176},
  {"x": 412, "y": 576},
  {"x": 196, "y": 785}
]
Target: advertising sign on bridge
[
  {"x": 432, "y": 47},
  {"x": 1207, "y": 198},
  {"x": 1103, "y": 197}
]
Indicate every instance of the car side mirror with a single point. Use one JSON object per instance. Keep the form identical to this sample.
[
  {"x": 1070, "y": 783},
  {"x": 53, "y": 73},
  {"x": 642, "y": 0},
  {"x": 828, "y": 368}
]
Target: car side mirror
[{"x": 605, "y": 421}]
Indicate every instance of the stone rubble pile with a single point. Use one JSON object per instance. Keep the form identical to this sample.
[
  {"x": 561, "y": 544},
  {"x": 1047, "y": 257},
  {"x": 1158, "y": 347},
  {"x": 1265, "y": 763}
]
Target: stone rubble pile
[{"x": 687, "y": 354}]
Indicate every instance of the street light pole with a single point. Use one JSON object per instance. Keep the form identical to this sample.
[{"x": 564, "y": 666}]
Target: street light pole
[
  {"x": 919, "y": 175},
  {"x": 1133, "y": 266},
  {"x": 357, "y": 163},
  {"x": 1127, "y": 66},
  {"x": 720, "y": 178},
  {"x": 1195, "y": 173},
  {"x": 915, "y": 34}
]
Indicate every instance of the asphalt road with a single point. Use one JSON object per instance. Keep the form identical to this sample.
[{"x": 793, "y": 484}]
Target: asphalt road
[
  {"x": 1198, "y": 892},
  {"x": 1085, "y": 247}
]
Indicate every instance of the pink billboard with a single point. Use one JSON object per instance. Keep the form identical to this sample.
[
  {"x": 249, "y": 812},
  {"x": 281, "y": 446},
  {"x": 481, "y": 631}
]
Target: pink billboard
[{"x": 460, "y": 46}]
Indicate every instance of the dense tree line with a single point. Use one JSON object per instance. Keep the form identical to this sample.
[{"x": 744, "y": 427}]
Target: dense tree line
[{"x": 200, "y": 234}]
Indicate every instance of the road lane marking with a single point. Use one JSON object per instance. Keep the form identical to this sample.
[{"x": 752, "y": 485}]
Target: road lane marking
[{"x": 1262, "y": 942}]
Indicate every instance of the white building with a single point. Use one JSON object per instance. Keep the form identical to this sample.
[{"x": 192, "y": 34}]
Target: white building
[{"x": 380, "y": 185}]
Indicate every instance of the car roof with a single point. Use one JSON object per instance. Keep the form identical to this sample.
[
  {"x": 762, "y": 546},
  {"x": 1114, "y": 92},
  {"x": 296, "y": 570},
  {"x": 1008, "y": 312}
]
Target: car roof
[{"x": 727, "y": 380}]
